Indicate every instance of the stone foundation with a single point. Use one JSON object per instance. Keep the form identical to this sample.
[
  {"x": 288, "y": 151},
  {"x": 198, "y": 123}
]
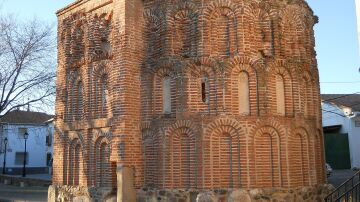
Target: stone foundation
[
  {"x": 304, "y": 194},
  {"x": 80, "y": 194}
]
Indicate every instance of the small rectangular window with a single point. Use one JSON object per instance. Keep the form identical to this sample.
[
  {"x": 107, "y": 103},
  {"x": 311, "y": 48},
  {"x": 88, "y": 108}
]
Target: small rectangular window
[
  {"x": 19, "y": 158},
  {"x": 48, "y": 140},
  {"x": 48, "y": 159},
  {"x": 203, "y": 91}
]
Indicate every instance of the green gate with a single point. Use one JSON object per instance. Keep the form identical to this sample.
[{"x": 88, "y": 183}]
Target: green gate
[{"x": 337, "y": 150}]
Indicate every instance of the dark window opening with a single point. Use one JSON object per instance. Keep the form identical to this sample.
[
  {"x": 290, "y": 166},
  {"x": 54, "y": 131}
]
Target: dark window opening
[
  {"x": 19, "y": 158},
  {"x": 203, "y": 91},
  {"x": 48, "y": 159}
]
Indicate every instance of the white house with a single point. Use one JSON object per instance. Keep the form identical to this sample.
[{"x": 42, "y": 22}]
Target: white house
[
  {"x": 40, "y": 130},
  {"x": 341, "y": 122}
]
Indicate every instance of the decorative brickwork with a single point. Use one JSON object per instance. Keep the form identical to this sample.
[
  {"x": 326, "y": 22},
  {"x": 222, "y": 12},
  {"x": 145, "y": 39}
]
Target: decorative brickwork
[{"x": 217, "y": 94}]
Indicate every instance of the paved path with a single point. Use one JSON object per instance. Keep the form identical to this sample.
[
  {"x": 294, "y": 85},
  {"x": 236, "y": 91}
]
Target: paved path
[{"x": 16, "y": 193}]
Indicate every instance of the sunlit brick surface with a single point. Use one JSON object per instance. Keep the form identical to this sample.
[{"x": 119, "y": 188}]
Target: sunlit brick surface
[{"x": 191, "y": 94}]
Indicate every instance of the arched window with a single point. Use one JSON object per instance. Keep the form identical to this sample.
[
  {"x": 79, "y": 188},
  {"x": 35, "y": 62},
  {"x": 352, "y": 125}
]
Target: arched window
[
  {"x": 226, "y": 161},
  {"x": 74, "y": 165},
  {"x": 102, "y": 164},
  {"x": 267, "y": 160},
  {"x": 306, "y": 98},
  {"x": 280, "y": 95},
  {"x": 220, "y": 35},
  {"x": 78, "y": 46},
  {"x": 166, "y": 87},
  {"x": 185, "y": 160},
  {"x": 243, "y": 92},
  {"x": 104, "y": 96},
  {"x": 205, "y": 89},
  {"x": 79, "y": 101},
  {"x": 182, "y": 42},
  {"x": 297, "y": 159},
  {"x": 300, "y": 156},
  {"x": 73, "y": 102},
  {"x": 150, "y": 159}
]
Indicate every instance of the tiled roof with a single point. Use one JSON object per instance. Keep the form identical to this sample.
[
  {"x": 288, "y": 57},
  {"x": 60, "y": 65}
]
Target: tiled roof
[
  {"x": 348, "y": 100},
  {"x": 25, "y": 117}
]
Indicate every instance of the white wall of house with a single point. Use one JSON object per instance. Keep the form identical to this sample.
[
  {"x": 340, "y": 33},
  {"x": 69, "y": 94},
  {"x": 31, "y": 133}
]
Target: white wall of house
[
  {"x": 37, "y": 148},
  {"x": 354, "y": 141},
  {"x": 350, "y": 124}
]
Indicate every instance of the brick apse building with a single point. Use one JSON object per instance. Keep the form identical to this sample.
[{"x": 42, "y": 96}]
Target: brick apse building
[{"x": 185, "y": 100}]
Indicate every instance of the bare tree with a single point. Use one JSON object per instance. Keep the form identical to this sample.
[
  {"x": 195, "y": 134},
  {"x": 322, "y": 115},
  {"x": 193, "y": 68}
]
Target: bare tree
[{"x": 27, "y": 64}]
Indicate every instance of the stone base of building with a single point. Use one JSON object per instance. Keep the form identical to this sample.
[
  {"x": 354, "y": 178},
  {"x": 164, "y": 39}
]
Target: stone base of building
[
  {"x": 303, "y": 194},
  {"x": 80, "y": 194}
]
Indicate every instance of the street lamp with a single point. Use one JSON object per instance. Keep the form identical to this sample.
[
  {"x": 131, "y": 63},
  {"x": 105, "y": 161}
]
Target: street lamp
[
  {"x": 4, "y": 163},
  {"x": 26, "y": 135}
]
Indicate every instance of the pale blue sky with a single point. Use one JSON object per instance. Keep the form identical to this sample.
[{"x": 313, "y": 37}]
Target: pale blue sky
[{"x": 336, "y": 37}]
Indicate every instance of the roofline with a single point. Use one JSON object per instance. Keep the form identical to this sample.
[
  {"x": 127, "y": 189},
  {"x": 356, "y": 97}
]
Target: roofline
[
  {"x": 50, "y": 120},
  {"x": 68, "y": 7},
  {"x": 34, "y": 124},
  {"x": 340, "y": 106}
]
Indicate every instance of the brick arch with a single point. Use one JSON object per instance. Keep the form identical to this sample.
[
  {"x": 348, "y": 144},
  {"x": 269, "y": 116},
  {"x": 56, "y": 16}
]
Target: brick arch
[
  {"x": 101, "y": 70},
  {"x": 183, "y": 21},
  {"x": 79, "y": 17},
  {"x": 100, "y": 27},
  {"x": 299, "y": 157},
  {"x": 195, "y": 72},
  {"x": 221, "y": 28},
  {"x": 171, "y": 64},
  {"x": 152, "y": 19},
  {"x": 224, "y": 7},
  {"x": 280, "y": 67},
  {"x": 290, "y": 15},
  {"x": 102, "y": 166},
  {"x": 224, "y": 145},
  {"x": 151, "y": 155},
  {"x": 77, "y": 136},
  {"x": 166, "y": 67},
  {"x": 78, "y": 42},
  {"x": 267, "y": 156},
  {"x": 181, "y": 163},
  {"x": 294, "y": 32},
  {"x": 202, "y": 64},
  {"x": 180, "y": 10},
  {"x": 76, "y": 162},
  {"x": 100, "y": 134},
  {"x": 306, "y": 93},
  {"x": 74, "y": 76},
  {"x": 258, "y": 14},
  {"x": 250, "y": 67}
]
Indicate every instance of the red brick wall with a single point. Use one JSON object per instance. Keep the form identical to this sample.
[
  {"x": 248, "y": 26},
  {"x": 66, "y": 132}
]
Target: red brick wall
[{"x": 201, "y": 143}]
